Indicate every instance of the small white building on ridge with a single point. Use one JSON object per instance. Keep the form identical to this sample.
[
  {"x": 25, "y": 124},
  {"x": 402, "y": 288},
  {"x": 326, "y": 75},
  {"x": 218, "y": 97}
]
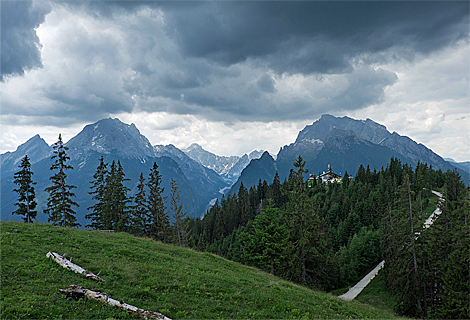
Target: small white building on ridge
[{"x": 329, "y": 176}]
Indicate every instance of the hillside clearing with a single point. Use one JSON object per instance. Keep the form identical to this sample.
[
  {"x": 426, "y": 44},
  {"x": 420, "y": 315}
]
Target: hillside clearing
[{"x": 177, "y": 282}]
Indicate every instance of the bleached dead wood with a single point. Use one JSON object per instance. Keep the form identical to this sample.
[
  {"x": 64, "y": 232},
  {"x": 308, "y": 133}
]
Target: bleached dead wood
[
  {"x": 76, "y": 292},
  {"x": 72, "y": 266}
]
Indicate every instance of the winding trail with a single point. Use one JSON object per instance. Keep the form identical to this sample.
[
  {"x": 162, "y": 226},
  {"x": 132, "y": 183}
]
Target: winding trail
[{"x": 358, "y": 287}]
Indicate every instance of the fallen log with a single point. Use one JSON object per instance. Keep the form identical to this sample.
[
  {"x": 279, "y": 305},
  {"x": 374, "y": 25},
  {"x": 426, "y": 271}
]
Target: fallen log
[
  {"x": 72, "y": 266},
  {"x": 76, "y": 292}
]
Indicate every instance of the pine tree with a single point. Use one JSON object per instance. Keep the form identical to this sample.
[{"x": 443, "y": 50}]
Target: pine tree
[
  {"x": 160, "y": 221},
  {"x": 244, "y": 208},
  {"x": 276, "y": 191},
  {"x": 25, "y": 190},
  {"x": 98, "y": 191},
  {"x": 116, "y": 210},
  {"x": 141, "y": 218},
  {"x": 176, "y": 208},
  {"x": 59, "y": 203},
  {"x": 307, "y": 232}
]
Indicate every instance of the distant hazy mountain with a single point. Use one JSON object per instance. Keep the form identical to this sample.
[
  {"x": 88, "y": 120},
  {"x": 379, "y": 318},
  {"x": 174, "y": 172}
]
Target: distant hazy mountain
[
  {"x": 345, "y": 143},
  {"x": 228, "y": 167},
  {"x": 462, "y": 165},
  {"x": 205, "y": 179},
  {"x": 113, "y": 140}
]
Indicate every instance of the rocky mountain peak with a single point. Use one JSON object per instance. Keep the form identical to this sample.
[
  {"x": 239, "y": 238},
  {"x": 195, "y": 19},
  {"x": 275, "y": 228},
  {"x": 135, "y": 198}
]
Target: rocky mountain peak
[
  {"x": 112, "y": 136},
  {"x": 36, "y": 149},
  {"x": 321, "y": 129},
  {"x": 194, "y": 147}
]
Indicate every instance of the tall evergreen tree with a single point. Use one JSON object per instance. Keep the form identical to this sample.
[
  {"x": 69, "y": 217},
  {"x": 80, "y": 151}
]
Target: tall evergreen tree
[
  {"x": 140, "y": 213},
  {"x": 276, "y": 191},
  {"x": 59, "y": 202},
  {"x": 26, "y": 194},
  {"x": 116, "y": 210},
  {"x": 176, "y": 209},
  {"x": 244, "y": 208},
  {"x": 307, "y": 232},
  {"x": 160, "y": 222},
  {"x": 98, "y": 189}
]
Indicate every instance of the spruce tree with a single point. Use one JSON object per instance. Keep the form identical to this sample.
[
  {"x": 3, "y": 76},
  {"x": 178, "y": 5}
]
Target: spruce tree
[
  {"x": 59, "y": 202},
  {"x": 98, "y": 191},
  {"x": 176, "y": 208},
  {"x": 244, "y": 208},
  {"x": 116, "y": 210},
  {"x": 160, "y": 221},
  {"x": 25, "y": 190},
  {"x": 306, "y": 232},
  {"x": 140, "y": 213}
]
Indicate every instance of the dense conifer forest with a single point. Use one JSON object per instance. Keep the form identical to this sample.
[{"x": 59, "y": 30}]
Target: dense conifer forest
[{"x": 329, "y": 235}]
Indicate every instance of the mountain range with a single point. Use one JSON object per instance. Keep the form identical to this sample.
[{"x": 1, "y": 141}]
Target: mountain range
[
  {"x": 343, "y": 143},
  {"x": 114, "y": 140}
]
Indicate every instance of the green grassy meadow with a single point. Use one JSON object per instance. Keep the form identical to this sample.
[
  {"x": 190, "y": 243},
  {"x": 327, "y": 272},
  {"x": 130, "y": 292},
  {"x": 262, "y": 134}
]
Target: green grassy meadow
[{"x": 180, "y": 283}]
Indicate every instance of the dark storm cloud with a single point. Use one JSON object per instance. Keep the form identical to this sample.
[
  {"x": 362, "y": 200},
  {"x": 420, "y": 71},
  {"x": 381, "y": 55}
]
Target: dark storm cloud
[
  {"x": 224, "y": 60},
  {"x": 19, "y": 42},
  {"x": 314, "y": 36},
  {"x": 302, "y": 36}
]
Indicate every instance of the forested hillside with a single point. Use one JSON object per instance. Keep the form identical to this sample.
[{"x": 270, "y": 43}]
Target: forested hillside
[{"x": 328, "y": 235}]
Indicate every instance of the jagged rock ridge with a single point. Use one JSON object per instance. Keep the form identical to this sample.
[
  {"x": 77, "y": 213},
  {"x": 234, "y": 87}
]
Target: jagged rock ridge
[{"x": 228, "y": 167}]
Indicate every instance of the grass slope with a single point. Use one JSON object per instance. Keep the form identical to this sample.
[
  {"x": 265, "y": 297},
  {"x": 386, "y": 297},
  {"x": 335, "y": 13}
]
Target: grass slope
[
  {"x": 178, "y": 282},
  {"x": 375, "y": 294}
]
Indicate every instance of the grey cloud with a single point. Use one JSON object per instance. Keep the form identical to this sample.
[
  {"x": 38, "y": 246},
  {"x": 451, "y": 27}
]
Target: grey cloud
[
  {"x": 191, "y": 63},
  {"x": 266, "y": 83},
  {"x": 180, "y": 80},
  {"x": 324, "y": 34},
  {"x": 366, "y": 88},
  {"x": 19, "y": 41}
]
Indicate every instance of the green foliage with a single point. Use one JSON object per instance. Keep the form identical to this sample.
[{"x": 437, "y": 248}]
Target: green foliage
[
  {"x": 356, "y": 259},
  {"x": 116, "y": 212},
  {"x": 98, "y": 191},
  {"x": 159, "y": 220},
  {"x": 140, "y": 213},
  {"x": 266, "y": 244},
  {"x": 338, "y": 232},
  {"x": 59, "y": 202},
  {"x": 26, "y": 195},
  {"x": 178, "y": 282},
  {"x": 176, "y": 208},
  {"x": 426, "y": 270},
  {"x": 111, "y": 211}
]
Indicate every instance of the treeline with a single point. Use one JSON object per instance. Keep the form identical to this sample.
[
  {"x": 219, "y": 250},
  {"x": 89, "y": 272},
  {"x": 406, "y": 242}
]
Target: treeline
[
  {"x": 329, "y": 235},
  {"x": 145, "y": 214}
]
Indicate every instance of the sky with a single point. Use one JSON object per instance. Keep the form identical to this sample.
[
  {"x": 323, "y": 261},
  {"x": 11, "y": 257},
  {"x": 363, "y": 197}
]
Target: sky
[{"x": 235, "y": 76}]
